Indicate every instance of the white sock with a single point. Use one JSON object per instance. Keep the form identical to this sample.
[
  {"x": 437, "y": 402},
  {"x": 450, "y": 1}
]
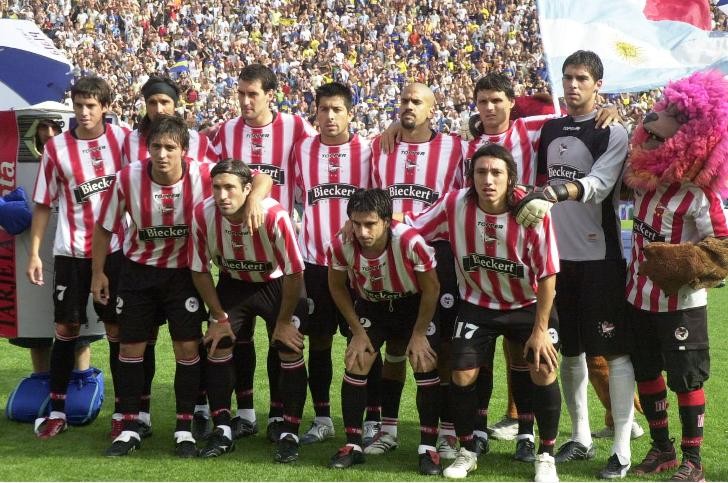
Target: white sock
[
  {"x": 145, "y": 418},
  {"x": 574, "y": 381},
  {"x": 423, "y": 448},
  {"x": 389, "y": 425},
  {"x": 248, "y": 414},
  {"x": 204, "y": 409},
  {"x": 57, "y": 415},
  {"x": 447, "y": 429},
  {"x": 325, "y": 420},
  {"x": 621, "y": 394},
  {"x": 226, "y": 430}
]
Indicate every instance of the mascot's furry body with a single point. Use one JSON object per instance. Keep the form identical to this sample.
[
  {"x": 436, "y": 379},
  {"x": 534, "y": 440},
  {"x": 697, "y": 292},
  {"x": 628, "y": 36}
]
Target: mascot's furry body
[{"x": 678, "y": 165}]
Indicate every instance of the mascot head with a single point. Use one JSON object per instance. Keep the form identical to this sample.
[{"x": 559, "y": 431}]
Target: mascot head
[{"x": 685, "y": 138}]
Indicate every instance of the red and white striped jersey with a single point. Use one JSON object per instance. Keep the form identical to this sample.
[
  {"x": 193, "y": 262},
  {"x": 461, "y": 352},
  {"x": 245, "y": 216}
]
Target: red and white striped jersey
[
  {"x": 418, "y": 174},
  {"x": 160, "y": 217},
  {"x": 200, "y": 149},
  {"x": 326, "y": 176},
  {"x": 266, "y": 254},
  {"x": 498, "y": 261},
  {"x": 392, "y": 274},
  {"x": 675, "y": 213},
  {"x": 74, "y": 173},
  {"x": 266, "y": 149},
  {"x": 521, "y": 139}
]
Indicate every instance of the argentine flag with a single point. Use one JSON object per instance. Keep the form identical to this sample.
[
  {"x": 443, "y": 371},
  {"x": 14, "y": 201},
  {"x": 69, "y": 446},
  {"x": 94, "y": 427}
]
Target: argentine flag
[{"x": 642, "y": 43}]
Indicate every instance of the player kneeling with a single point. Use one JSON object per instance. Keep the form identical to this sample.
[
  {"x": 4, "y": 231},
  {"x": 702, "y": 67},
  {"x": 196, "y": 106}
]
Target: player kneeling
[
  {"x": 392, "y": 270},
  {"x": 506, "y": 276}
]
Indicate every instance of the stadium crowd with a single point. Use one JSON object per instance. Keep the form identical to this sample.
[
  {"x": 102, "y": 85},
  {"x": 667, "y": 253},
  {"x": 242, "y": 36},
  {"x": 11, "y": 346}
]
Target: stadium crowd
[{"x": 375, "y": 47}]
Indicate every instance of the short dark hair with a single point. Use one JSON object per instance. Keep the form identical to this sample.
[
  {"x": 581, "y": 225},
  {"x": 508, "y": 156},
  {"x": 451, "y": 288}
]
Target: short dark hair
[
  {"x": 374, "y": 200},
  {"x": 172, "y": 126},
  {"x": 588, "y": 59},
  {"x": 93, "y": 86},
  {"x": 259, "y": 72},
  {"x": 233, "y": 166},
  {"x": 335, "y": 89},
  {"x": 171, "y": 87},
  {"x": 495, "y": 81},
  {"x": 493, "y": 151}
]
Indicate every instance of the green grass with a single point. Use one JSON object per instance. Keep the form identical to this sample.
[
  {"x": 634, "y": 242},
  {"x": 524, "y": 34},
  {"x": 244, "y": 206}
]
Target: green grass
[{"x": 78, "y": 454}]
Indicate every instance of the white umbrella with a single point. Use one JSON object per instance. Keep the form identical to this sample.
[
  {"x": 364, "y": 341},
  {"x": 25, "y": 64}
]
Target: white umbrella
[{"x": 32, "y": 69}]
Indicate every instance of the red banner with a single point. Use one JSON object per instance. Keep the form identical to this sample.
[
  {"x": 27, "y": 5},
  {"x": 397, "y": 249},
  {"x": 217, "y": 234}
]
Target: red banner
[{"x": 8, "y": 164}]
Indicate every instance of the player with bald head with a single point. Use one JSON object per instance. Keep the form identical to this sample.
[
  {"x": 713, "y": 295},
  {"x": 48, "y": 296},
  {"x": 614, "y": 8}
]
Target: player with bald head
[{"x": 423, "y": 166}]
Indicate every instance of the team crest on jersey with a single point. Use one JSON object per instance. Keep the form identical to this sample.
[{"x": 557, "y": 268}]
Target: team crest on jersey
[
  {"x": 245, "y": 265},
  {"x": 163, "y": 232},
  {"x": 606, "y": 329},
  {"x": 366, "y": 323},
  {"x": 659, "y": 209},
  {"x": 564, "y": 172},
  {"x": 554, "y": 335},
  {"x": 192, "y": 304},
  {"x": 85, "y": 190},
  {"x": 647, "y": 232},
  {"x": 275, "y": 172},
  {"x": 330, "y": 190},
  {"x": 382, "y": 295},
  {"x": 476, "y": 261},
  {"x": 415, "y": 192},
  {"x": 447, "y": 300},
  {"x": 95, "y": 153},
  {"x": 681, "y": 333},
  {"x": 489, "y": 231},
  {"x": 431, "y": 329}
]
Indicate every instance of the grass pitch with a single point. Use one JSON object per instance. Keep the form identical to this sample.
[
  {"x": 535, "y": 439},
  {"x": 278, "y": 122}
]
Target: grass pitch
[{"x": 78, "y": 453}]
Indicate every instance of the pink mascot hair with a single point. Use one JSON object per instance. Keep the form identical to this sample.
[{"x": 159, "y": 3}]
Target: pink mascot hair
[{"x": 698, "y": 151}]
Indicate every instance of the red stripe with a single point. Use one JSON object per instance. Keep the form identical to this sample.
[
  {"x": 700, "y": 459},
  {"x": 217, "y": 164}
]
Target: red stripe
[
  {"x": 692, "y": 398},
  {"x": 655, "y": 386}
]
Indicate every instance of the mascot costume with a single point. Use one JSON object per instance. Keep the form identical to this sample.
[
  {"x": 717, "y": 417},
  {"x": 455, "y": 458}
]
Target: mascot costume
[{"x": 678, "y": 165}]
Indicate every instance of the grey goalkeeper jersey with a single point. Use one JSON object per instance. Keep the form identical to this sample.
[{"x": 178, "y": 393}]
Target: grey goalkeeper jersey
[{"x": 571, "y": 149}]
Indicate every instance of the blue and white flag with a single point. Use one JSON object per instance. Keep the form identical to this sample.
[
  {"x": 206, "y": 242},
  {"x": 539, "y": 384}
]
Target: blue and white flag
[{"x": 642, "y": 43}]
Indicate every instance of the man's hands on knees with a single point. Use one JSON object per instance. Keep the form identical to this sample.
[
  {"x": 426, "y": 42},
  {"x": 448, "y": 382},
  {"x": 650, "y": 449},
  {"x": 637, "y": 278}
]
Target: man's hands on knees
[
  {"x": 287, "y": 334},
  {"x": 360, "y": 351},
  {"x": 219, "y": 333},
  {"x": 539, "y": 351},
  {"x": 421, "y": 354}
]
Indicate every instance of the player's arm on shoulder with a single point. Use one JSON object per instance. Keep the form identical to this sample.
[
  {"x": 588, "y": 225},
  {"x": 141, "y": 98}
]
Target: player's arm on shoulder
[
  {"x": 390, "y": 137},
  {"x": 606, "y": 171},
  {"x": 253, "y": 212}
]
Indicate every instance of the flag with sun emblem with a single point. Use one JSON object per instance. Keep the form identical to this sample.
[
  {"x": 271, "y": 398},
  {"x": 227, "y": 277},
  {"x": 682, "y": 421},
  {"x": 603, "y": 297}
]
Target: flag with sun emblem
[{"x": 642, "y": 43}]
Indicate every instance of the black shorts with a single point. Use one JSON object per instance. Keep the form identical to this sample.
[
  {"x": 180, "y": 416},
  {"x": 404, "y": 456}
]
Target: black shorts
[
  {"x": 674, "y": 342},
  {"x": 149, "y": 294},
  {"x": 477, "y": 328},
  {"x": 244, "y": 301},
  {"x": 393, "y": 320},
  {"x": 590, "y": 304},
  {"x": 47, "y": 342},
  {"x": 72, "y": 286},
  {"x": 449, "y": 301},
  {"x": 324, "y": 317}
]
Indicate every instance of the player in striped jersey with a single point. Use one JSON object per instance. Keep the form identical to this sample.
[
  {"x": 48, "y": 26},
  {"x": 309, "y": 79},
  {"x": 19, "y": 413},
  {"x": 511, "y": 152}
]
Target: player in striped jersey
[
  {"x": 422, "y": 167},
  {"x": 261, "y": 274},
  {"x": 264, "y": 140},
  {"x": 161, "y": 95},
  {"x": 329, "y": 168},
  {"x": 157, "y": 197},
  {"x": 392, "y": 270},
  {"x": 76, "y": 168},
  {"x": 506, "y": 275}
]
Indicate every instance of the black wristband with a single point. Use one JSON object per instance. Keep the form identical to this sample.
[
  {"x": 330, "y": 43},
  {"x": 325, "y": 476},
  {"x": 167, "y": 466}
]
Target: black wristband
[
  {"x": 561, "y": 192},
  {"x": 579, "y": 189}
]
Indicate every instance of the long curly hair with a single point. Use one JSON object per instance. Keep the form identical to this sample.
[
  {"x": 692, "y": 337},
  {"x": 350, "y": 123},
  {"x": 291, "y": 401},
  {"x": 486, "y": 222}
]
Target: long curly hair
[{"x": 698, "y": 152}]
